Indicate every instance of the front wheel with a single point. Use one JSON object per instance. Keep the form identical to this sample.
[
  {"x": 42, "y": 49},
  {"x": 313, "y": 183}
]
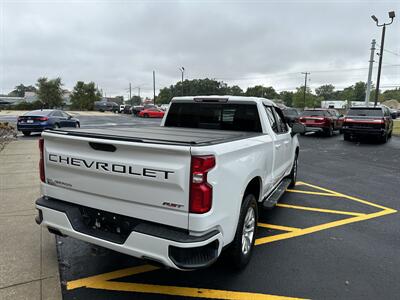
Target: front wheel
[
  {"x": 243, "y": 244},
  {"x": 26, "y": 133}
]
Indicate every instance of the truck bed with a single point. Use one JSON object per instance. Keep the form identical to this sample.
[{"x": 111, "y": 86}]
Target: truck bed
[{"x": 160, "y": 135}]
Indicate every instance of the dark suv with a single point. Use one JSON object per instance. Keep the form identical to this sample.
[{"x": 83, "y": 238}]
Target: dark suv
[
  {"x": 321, "y": 120},
  {"x": 368, "y": 121}
]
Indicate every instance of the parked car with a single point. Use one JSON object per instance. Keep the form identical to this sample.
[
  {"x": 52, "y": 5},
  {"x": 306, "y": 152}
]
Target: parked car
[
  {"x": 375, "y": 122},
  {"x": 127, "y": 109},
  {"x": 291, "y": 115},
  {"x": 164, "y": 106},
  {"x": 39, "y": 120},
  {"x": 325, "y": 121},
  {"x": 152, "y": 112},
  {"x": 106, "y": 106},
  {"x": 177, "y": 194},
  {"x": 121, "y": 108},
  {"x": 394, "y": 113},
  {"x": 138, "y": 108}
]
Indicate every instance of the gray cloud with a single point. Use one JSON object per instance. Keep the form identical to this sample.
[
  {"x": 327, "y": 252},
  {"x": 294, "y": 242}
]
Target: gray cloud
[{"x": 241, "y": 42}]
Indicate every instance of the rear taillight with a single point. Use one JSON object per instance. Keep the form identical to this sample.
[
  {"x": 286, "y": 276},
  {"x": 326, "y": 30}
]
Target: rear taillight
[
  {"x": 43, "y": 119},
  {"x": 200, "y": 190},
  {"x": 41, "y": 161}
]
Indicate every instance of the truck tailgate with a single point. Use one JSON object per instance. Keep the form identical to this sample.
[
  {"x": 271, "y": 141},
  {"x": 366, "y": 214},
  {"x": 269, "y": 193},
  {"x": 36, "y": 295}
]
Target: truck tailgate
[{"x": 141, "y": 180}]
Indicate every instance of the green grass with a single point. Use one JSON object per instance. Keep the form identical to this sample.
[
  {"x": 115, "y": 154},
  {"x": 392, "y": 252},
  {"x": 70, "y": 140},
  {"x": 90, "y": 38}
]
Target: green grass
[{"x": 396, "y": 127}]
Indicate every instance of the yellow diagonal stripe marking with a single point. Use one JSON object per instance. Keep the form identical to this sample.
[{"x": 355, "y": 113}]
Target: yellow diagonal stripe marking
[
  {"x": 312, "y": 193},
  {"x": 277, "y": 227},
  {"x": 183, "y": 291},
  {"x": 313, "y": 229},
  {"x": 109, "y": 276},
  {"x": 330, "y": 211},
  {"x": 346, "y": 196}
]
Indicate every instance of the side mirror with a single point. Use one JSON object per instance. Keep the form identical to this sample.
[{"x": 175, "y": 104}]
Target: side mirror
[{"x": 298, "y": 128}]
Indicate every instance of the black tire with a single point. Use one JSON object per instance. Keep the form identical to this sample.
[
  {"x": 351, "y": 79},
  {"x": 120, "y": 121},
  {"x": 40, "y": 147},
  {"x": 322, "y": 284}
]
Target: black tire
[
  {"x": 146, "y": 115},
  {"x": 56, "y": 126},
  {"x": 390, "y": 135},
  {"x": 77, "y": 125},
  {"x": 293, "y": 173},
  {"x": 384, "y": 138},
  {"x": 346, "y": 137},
  {"x": 238, "y": 257},
  {"x": 329, "y": 131},
  {"x": 303, "y": 133},
  {"x": 26, "y": 133}
]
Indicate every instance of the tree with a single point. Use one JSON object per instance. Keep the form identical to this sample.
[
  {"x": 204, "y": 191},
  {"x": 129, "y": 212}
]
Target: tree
[
  {"x": 196, "y": 87},
  {"x": 84, "y": 95},
  {"x": 19, "y": 90},
  {"x": 287, "y": 98},
  {"x": 311, "y": 100},
  {"x": 260, "y": 91},
  {"x": 359, "y": 91},
  {"x": 390, "y": 94},
  {"x": 235, "y": 91},
  {"x": 135, "y": 100},
  {"x": 327, "y": 91},
  {"x": 50, "y": 92}
]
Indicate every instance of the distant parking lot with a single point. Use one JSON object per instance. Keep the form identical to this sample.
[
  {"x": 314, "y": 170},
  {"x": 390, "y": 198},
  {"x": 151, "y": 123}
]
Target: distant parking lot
[{"x": 335, "y": 235}]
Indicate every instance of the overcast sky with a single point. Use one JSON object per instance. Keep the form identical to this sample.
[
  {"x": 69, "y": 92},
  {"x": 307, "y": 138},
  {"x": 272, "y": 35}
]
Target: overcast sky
[{"x": 240, "y": 42}]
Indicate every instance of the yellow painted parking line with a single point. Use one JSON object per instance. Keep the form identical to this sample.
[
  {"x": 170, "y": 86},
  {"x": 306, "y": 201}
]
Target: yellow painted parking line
[
  {"x": 103, "y": 281},
  {"x": 329, "y": 211},
  {"x": 182, "y": 291},
  {"x": 74, "y": 284},
  {"x": 288, "y": 235},
  {"x": 312, "y": 193},
  {"x": 277, "y": 227},
  {"x": 345, "y": 196}
]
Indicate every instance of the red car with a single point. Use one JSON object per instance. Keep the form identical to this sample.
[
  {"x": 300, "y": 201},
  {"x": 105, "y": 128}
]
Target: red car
[
  {"x": 152, "y": 112},
  {"x": 322, "y": 120}
]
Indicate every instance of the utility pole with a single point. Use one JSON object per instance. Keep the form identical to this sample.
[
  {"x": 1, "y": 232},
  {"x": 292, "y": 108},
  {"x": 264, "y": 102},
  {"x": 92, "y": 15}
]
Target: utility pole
[
  {"x": 154, "y": 87},
  {"x": 378, "y": 80},
  {"x": 130, "y": 93},
  {"x": 305, "y": 86},
  {"x": 371, "y": 64}
]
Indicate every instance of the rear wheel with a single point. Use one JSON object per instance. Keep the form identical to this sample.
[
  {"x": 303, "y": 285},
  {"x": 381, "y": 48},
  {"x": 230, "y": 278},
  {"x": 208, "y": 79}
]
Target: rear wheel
[
  {"x": 56, "y": 126},
  {"x": 243, "y": 244},
  {"x": 293, "y": 173},
  {"x": 146, "y": 115},
  {"x": 346, "y": 137},
  {"x": 77, "y": 125},
  {"x": 26, "y": 133},
  {"x": 384, "y": 138},
  {"x": 329, "y": 131}
]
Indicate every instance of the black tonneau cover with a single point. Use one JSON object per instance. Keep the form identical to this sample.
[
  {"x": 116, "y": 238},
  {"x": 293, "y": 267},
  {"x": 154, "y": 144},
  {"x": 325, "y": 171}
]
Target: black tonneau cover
[{"x": 160, "y": 135}]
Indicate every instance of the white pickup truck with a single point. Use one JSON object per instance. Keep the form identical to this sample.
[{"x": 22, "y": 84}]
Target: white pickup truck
[{"x": 175, "y": 195}]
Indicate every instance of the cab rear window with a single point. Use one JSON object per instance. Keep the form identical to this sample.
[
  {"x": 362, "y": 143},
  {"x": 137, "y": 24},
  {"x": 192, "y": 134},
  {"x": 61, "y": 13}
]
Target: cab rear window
[{"x": 222, "y": 116}]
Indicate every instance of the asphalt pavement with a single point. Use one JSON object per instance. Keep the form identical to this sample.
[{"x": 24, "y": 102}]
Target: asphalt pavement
[{"x": 335, "y": 235}]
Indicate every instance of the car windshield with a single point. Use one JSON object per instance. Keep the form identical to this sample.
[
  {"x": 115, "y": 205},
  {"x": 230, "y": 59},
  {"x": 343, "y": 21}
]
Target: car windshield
[
  {"x": 313, "y": 113},
  {"x": 365, "y": 112},
  {"x": 38, "y": 113}
]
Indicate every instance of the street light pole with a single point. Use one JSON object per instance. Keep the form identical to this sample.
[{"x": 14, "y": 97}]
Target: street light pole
[
  {"x": 391, "y": 16},
  {"x": 182, "y": 69},
  {"x": 305, "y": 87}
]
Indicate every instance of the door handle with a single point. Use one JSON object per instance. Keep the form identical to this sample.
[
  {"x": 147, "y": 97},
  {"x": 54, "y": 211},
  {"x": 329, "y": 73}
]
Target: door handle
[{"x": 277, "y": 146}]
